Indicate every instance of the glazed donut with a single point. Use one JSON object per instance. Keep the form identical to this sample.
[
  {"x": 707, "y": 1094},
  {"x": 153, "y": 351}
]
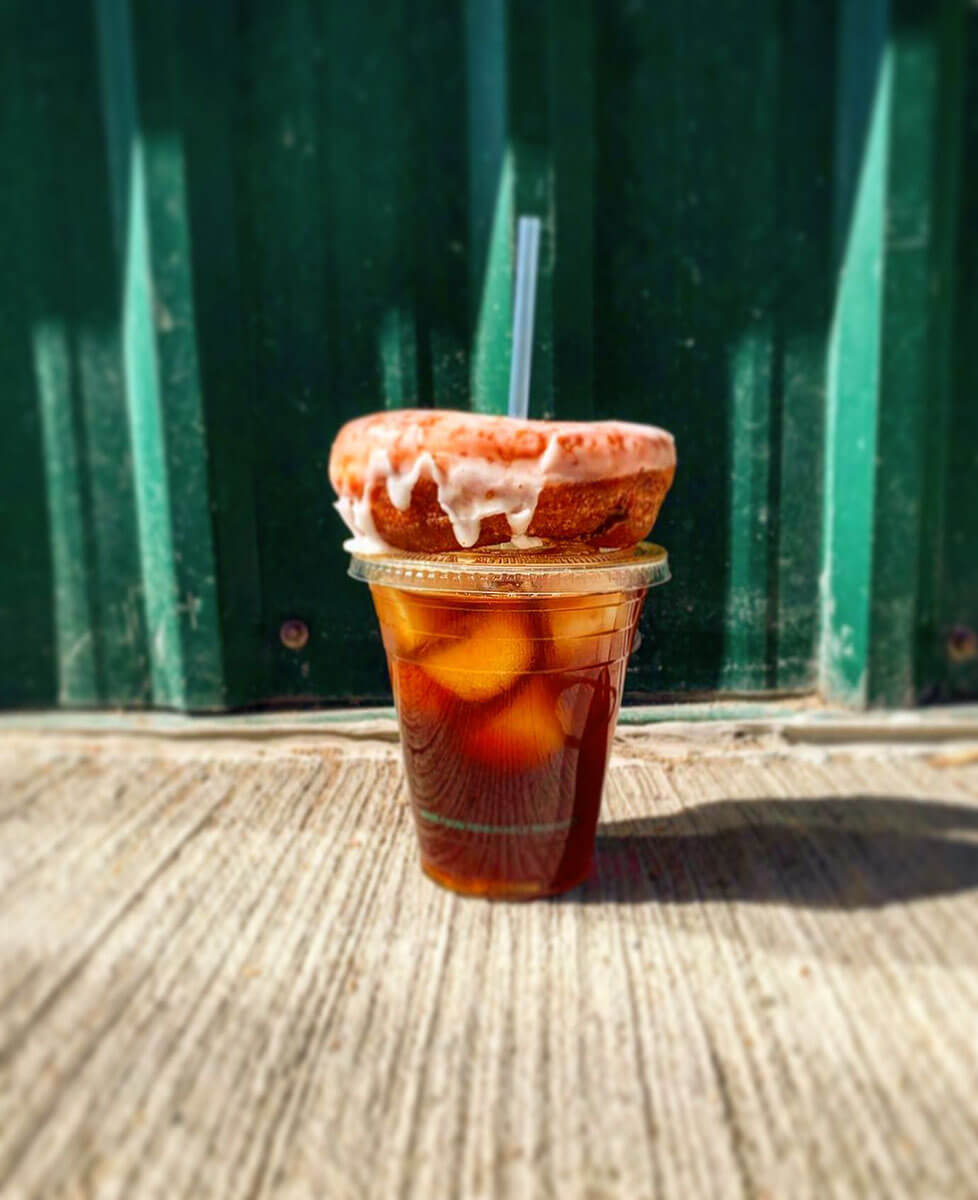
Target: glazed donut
[{"x": 432, "y": 480}]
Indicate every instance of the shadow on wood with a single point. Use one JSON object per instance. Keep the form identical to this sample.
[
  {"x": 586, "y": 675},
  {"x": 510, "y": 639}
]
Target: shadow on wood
[{"x": 843, "y": 852}]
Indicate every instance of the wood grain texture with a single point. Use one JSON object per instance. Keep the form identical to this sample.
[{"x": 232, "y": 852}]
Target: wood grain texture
[{"x": 222, "y": 973}]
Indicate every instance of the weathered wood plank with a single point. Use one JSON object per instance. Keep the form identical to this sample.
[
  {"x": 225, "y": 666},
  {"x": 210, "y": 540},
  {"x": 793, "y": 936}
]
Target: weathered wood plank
[{"x": 221, "y": 973}]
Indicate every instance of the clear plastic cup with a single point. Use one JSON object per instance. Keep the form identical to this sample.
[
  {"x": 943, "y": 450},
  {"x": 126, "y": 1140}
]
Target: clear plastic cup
[{"x": 507, "y": 669}]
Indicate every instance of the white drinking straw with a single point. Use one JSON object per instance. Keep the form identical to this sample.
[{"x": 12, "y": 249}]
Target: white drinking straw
[{"x": 524, "y": 307}]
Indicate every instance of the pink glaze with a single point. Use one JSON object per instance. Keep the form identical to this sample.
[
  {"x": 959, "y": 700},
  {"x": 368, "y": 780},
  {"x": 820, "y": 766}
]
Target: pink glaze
[{"x": 482, "y": 465}]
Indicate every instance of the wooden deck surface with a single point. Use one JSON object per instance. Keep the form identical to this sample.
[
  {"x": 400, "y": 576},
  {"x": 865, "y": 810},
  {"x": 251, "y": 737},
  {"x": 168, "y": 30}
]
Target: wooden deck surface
[{"x": 222, "y": 974}]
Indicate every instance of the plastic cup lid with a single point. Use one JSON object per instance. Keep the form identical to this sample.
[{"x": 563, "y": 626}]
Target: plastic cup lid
[{"x": 550, "y": 570}]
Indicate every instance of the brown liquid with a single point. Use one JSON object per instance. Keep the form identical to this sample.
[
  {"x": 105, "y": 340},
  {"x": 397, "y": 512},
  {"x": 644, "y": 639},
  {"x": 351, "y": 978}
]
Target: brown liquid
[{"x": 507, "y": 707}]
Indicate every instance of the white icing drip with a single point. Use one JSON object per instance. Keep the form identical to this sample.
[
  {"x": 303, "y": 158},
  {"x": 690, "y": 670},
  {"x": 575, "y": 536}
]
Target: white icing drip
[
  {"x": 365, "y": 545},
  {"x": 400, "y": 486},
  {"x": 519, "y": 521},
  {"x": 518, "y": 542},
  {"x": 358, "y": 518},
  {"x": 550, "y": 456},
  {"x": 471, "y": 490}
]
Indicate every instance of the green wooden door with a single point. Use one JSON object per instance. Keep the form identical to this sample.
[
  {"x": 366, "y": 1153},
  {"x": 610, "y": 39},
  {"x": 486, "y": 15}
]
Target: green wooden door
[{"x": 228, "y": 227}]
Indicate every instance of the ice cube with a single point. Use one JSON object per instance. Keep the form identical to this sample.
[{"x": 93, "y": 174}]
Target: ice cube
[
  {"x": 486, "y": 661},
  {"x": 582, "y": 628},
  {"x": 400, "y": 617},
  {"x": 414, "y": 620},
  {"x": 521, "y": 735}
]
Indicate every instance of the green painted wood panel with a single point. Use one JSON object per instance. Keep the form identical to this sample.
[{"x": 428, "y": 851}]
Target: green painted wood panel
[
  {"x": 948, "y": 613},
  {"x": 898, "y": 493},
  {"x": 251, "y": 221},
  {"x": 712, "y": 273},
  {"x": 72, "y": 612}
]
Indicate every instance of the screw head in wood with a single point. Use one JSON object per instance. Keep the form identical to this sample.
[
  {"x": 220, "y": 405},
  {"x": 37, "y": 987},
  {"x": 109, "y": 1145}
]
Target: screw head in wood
[
  {"x": 294, "y": 634},
  {"x": 962, "y": 644}
]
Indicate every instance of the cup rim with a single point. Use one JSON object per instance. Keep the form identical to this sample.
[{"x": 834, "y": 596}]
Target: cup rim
[{"x": 551, "y": 570}]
